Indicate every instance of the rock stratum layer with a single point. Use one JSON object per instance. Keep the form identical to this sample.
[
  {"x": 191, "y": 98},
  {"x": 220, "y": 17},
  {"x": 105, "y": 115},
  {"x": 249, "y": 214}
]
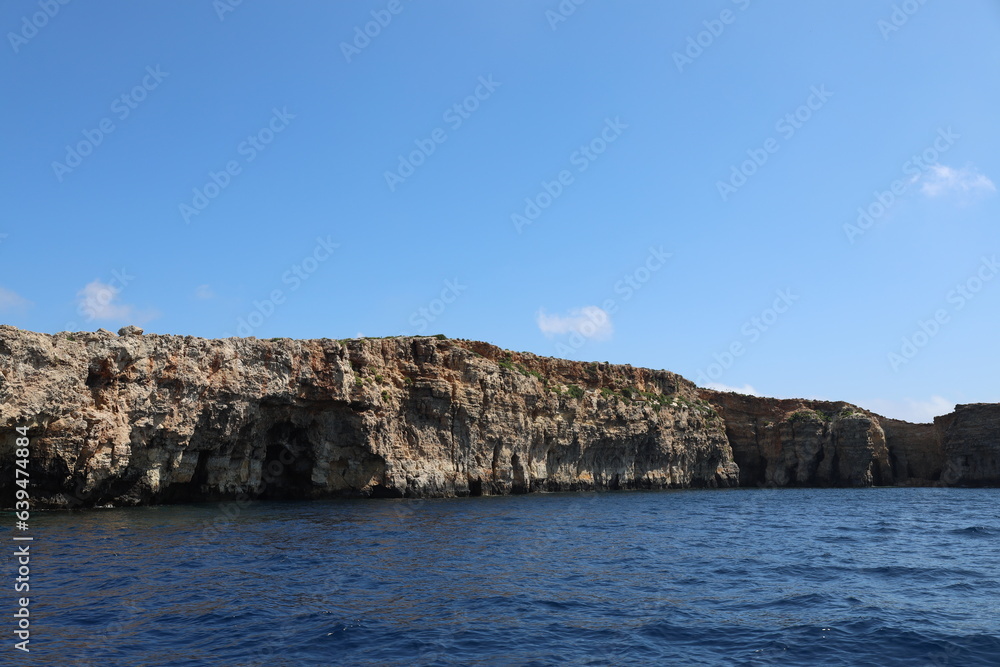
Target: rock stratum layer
[{"x": 137, "y": 419}]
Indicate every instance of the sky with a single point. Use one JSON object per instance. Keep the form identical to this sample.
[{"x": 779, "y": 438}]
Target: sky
[{"x": 785, "y": 198}]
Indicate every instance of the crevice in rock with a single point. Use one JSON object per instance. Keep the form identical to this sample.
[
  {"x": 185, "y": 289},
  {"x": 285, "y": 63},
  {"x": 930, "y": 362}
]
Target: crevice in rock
[{"x": 519, "y": 484}]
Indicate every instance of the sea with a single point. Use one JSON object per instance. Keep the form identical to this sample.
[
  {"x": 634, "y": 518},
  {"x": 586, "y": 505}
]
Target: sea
[{"x": 878, "y": 576}]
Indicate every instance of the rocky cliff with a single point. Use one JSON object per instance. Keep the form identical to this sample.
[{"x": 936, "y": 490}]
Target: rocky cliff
[
  {"x": 135, "y": 418},
  {"x": 779, "y": 442},
  {"x": 796, "y": 442},
  {"x": 917, "y": 455},
  {"x": 970, "y": 443},
  {"x": 132, "y": 418}
]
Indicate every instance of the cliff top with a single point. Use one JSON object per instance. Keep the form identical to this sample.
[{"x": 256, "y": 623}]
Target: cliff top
[{"x": 638, "y": 383}]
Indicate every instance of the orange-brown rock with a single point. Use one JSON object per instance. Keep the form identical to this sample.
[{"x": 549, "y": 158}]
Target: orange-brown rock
[
  {"x": 148, "y": 418},
  {"x": 142, "y": 418}
]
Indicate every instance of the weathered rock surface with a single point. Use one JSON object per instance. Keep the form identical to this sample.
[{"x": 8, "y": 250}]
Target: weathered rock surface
[
  {"x": 796, "y": 442},
  {"x": 142, "y": 418},
  {"x": 139, "y": 418},
  {"x": 971, "y": 444},
  {"x": 915, "y": 451}
]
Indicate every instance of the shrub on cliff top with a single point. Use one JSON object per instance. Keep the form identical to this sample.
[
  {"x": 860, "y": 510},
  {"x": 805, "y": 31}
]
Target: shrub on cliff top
[
  {"x": 575, "y": 391},
  {"x": 529, "y": 373},
  {"x": 802, "y": 415}
]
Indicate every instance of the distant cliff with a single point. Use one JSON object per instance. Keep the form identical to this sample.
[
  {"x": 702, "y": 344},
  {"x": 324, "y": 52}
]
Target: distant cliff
[
  {"x": 795, "y": 442},
  {"x": 134, "y": 419}
]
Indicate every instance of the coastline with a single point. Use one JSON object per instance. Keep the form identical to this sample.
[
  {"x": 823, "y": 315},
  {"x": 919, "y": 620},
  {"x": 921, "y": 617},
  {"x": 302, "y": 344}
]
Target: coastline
[{"x": 140, "y": 418}]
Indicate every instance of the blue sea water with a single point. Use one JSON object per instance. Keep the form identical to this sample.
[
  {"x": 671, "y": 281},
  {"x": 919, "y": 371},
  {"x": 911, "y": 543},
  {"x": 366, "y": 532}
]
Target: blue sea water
[{"x": 726, "y": 577}]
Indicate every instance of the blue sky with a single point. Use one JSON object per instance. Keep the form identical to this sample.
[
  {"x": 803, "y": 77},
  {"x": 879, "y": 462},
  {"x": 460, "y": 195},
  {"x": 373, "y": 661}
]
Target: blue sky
[{"x": 795, "y": 199}]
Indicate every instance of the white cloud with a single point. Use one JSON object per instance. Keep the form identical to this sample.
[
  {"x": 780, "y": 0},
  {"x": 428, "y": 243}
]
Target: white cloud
[
  {"x": 204, "y": 292},
  {"x": 99, "y": 301},
  {"x": 590, "y": 322},
  {"x": 942, "y": 180},
  {"x": 745, "y": 389},
  {"x": 10, "y": 300},
  {"x": 911, "y": 410}
]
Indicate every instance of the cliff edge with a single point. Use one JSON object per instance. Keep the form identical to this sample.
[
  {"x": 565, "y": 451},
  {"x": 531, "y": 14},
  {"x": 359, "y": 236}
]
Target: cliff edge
[{"x": 135, "y": 419}]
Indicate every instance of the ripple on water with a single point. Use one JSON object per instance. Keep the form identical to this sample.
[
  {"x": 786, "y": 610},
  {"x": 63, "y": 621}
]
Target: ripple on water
[
  {"x": 630, "y": 578},
  {"x": 977, "y": 531}
]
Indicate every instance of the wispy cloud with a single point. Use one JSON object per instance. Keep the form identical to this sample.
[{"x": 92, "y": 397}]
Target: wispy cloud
[
  {"x": 204, "y": 292},
  {"x": 590, "y": 322},
  {"x": 941, "y": 180},
  {"x": 745, "y": 389},
  {"x": 911, "y": 410},
  {"x": 10, "y": 300},
  {"x": 100, "y": 301}
]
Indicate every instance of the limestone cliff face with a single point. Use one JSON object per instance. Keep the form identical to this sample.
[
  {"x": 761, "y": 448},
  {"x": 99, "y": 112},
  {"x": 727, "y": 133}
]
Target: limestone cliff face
[
  {"x": 915, "y": 450},
  {"x": 794, "y": 442},
  {"x": 970, "y": 442},
  {"x": 137, "y": 418},
  {"x": 134, "y": 418}
]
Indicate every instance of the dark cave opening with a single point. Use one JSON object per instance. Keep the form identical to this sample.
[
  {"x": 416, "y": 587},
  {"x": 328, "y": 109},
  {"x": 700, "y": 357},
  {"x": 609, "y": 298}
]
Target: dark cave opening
[{"x": 288, "y": 464}]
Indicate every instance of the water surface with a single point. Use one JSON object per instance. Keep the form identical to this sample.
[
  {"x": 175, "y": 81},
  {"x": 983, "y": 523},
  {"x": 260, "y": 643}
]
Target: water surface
[{"x": 728, "y": 577}]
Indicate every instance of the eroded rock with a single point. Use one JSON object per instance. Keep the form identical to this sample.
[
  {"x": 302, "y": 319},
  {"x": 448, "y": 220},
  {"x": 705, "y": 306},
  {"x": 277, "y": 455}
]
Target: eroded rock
[{"x": 154, "y": 418}]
